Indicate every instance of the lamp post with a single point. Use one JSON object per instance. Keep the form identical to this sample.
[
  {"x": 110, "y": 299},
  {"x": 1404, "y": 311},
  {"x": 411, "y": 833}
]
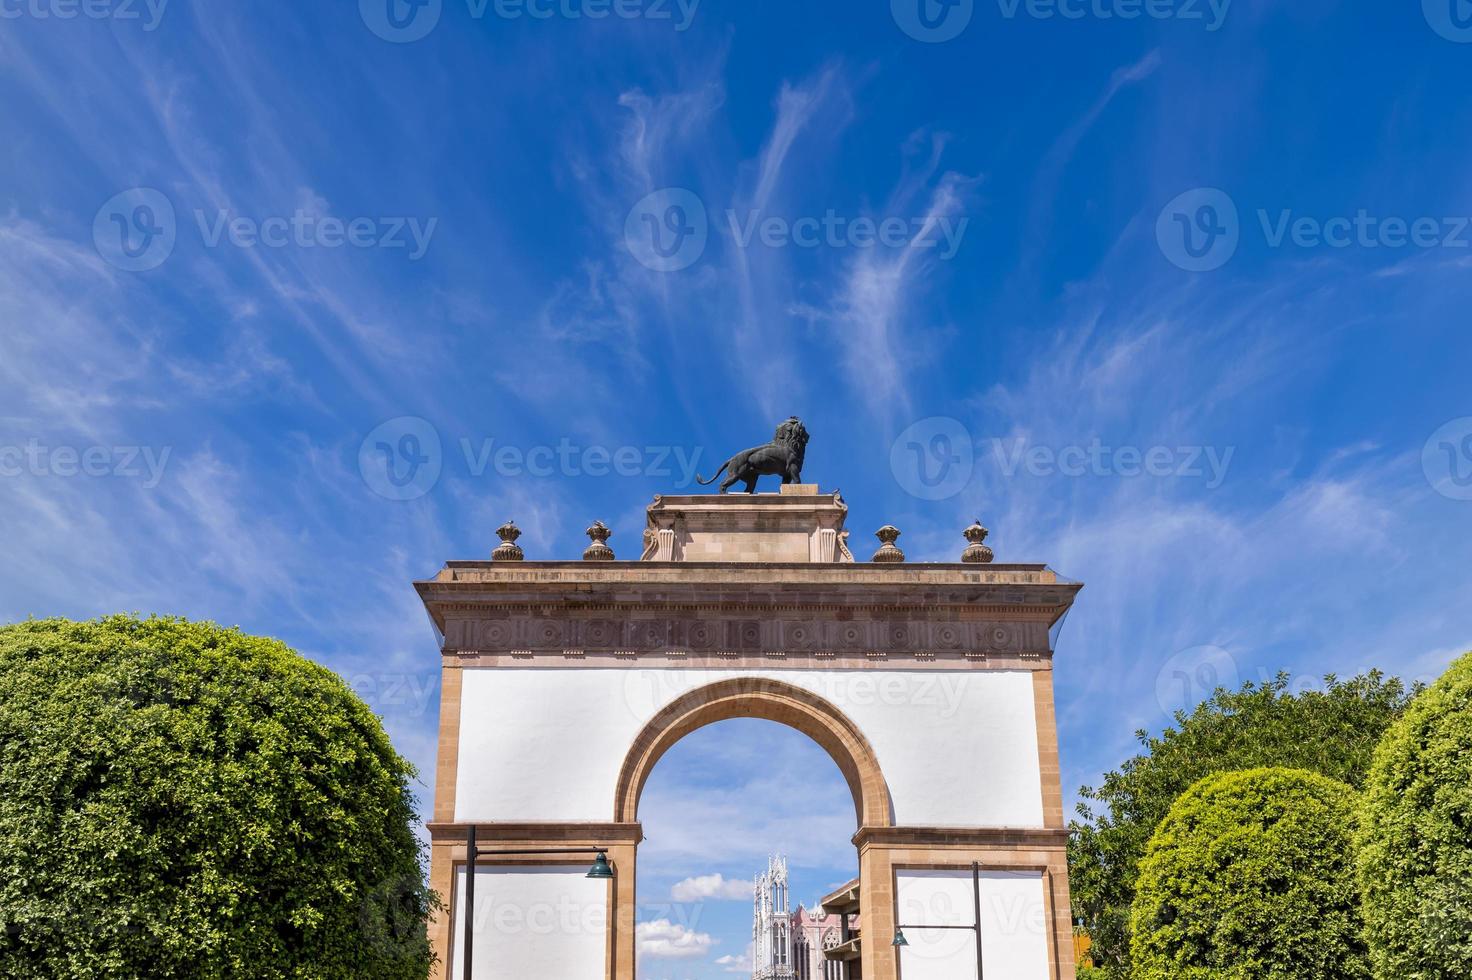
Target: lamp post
[
  {"x": 601, "y": 869},
  {"x": 899, "y": 930}
]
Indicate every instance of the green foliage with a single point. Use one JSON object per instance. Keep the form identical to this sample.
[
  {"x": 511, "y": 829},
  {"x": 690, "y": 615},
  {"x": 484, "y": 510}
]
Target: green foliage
[
  {"x": 1332, "y": 732},
  {"x": 1415, "y": 863},
  {"x": 1251, "y": 877},
  {"x": 182, "y": 800}
]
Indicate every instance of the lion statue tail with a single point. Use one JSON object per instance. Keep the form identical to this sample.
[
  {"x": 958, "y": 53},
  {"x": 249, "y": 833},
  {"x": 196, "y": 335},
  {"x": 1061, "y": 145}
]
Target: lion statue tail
[{"x": 714, "y": 476}]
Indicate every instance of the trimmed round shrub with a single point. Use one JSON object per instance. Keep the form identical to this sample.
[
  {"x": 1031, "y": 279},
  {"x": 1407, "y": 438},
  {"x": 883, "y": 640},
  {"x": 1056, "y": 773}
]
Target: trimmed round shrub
[
  {"x": 1333, "y": 732},
  {"x": 182, "y": 800},
  {"x": 1251, "y": 877},
  {"x": 1415, "y": 856}
]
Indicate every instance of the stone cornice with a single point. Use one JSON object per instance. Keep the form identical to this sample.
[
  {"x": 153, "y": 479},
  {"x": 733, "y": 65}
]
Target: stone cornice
[
  {"x": 537, "y": 833},
  {"x": 623, "y": 590},
  {"x": 931, "y": 837},
  {"x": 633, "y": 572},
  {"x": 767, "y": 660}
]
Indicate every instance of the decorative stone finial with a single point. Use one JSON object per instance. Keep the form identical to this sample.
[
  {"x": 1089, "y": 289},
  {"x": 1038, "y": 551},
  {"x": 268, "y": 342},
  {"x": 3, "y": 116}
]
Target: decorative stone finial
[
  {"x": 599, "y": 549},
  {"x": 508, "y": 550},
  {"x": 976, "y": 553},
  {"x": 887, "y": 552}
]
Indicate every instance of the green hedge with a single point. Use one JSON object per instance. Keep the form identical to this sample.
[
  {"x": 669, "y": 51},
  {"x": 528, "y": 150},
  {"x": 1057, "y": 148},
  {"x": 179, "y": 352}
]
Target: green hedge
[
  {"x": 1332, "y": 732},
  {"x": 1251, "y": 877},
  {"x": 182, "y": 800},
  {"x": 1415, "y": 861}
]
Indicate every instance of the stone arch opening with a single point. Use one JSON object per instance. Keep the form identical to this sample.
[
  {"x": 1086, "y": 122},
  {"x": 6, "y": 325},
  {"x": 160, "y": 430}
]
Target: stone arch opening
[{"x": 769, "y": 700}]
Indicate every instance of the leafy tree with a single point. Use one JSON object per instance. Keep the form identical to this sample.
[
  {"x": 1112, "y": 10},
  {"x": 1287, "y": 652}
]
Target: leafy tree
[
  {"x": 1331, "y": 731},
  {"x": 1251, "y": 877},
  {"x": 1415, "y": 861},
  {"x": 182, "y": 800}
]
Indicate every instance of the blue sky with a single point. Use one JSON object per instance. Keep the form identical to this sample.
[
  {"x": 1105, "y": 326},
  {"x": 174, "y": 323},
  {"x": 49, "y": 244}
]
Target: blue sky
[{"x": 1175, "y": 303}]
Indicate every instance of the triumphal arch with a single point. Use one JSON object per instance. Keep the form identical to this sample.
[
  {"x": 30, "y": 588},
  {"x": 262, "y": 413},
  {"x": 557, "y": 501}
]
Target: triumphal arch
[{"x": 930, "y": 686}]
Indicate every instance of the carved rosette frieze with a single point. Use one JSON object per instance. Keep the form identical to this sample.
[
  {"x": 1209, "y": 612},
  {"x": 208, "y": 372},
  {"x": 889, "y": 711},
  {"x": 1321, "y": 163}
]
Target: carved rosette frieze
[{"x": 720, "y": 635}]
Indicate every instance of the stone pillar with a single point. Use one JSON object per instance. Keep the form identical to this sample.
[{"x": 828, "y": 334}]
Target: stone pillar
[
  {"x": 442, "y": 856},
  {"x": 622, "y": 912},
  {"x": 876, "y": 908}
]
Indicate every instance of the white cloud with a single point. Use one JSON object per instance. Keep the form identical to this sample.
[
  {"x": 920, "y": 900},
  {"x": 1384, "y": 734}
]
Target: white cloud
[
  {"x": 711, "y": 886},
  {"x": 663, "y": 939},
  {"x": 734, "y": 963}
]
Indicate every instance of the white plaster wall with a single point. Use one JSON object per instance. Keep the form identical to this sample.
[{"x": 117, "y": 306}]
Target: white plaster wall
[
  {"x": 532, "y": 922},
  {"x": 1014, "y": 940},
  {"x": 958, "y": 748}
]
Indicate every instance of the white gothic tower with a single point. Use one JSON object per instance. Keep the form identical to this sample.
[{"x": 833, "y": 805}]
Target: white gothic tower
[{"x": 771, "y": 924}]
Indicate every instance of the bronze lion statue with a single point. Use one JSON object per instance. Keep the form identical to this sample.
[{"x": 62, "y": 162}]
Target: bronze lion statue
[{"x": 781, "y": 457}]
